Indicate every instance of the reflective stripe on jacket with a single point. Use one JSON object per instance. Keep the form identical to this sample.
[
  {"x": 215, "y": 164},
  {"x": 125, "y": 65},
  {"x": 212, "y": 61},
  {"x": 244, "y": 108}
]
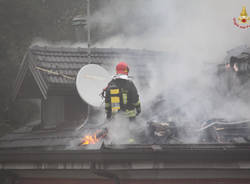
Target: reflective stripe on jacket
[{"x": 121, "y": 95}]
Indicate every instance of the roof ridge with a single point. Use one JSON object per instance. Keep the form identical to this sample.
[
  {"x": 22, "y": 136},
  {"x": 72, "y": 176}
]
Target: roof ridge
[{"x": 52, "y": 48}]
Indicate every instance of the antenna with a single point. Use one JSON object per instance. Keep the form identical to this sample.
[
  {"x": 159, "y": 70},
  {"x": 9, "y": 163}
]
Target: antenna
[
  {"x": 88, "y": 23},
  {"x": 90, "y": 82}
]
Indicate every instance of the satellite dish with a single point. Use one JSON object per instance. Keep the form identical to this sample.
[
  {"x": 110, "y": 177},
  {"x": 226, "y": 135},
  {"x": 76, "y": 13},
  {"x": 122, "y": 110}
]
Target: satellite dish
[{"x": 90, "y": 82}]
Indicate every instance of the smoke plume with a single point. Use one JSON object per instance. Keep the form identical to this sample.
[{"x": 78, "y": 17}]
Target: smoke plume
[{"x": 196, "y": 36}]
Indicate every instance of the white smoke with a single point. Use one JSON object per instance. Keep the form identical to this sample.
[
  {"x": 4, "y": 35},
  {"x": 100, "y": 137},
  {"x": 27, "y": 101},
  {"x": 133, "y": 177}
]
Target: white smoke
[
  {"x": 45, "y": 43},
  {"x": 172, "y": 25},
  {"x": 195, "y": 34}
]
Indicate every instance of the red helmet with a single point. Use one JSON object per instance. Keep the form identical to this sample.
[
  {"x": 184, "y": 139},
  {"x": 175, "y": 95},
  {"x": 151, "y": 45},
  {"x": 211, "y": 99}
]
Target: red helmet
[{"x": 122, "y": 68}]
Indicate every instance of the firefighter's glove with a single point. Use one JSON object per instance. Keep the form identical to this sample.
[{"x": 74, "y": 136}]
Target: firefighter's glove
[
  {"x": 138, "y": 110},
  {"x": 137, "y": 105}
]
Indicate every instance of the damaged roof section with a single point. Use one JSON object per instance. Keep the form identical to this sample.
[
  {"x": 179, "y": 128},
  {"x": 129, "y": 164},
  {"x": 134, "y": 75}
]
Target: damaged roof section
[
  {"x": 56, "y": 68},
  {"x": 28, "y": 138},
  {"x": 51, "y": 71}
]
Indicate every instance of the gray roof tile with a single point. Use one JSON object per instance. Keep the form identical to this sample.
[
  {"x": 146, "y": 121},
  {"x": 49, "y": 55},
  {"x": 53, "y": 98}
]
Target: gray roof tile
[
  {"x": 50, "y": 63},
  {"x": 68, "y": 61}
]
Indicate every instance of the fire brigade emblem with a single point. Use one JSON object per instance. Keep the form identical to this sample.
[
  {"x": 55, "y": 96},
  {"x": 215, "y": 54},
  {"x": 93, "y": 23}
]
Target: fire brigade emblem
[{"x": 243, "y": 20}]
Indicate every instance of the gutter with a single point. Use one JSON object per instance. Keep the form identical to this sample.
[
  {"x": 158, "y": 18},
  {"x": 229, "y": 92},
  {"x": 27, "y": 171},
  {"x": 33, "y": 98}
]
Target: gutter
[
  {"x": 104, "y": 173},
  {"x": 117, "y": 153}
]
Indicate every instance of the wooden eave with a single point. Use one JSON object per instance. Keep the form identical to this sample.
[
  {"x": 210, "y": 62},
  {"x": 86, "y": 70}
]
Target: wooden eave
[
  {"x": 28, "y": 63},
  {"x": 20, "y": 76},
  {"x": 134, "y": 162},
  {"x": 38, "y": 77}
]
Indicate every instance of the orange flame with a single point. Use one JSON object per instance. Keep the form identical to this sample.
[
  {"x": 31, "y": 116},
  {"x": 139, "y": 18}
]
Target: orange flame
[
  {"x": 93, "y": 139},
  {"x": 89, "y": 139}
]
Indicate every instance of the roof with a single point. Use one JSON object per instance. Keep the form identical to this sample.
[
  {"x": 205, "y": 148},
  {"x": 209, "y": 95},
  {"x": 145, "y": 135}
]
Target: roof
[
  {"x": 54, "y": 67},
  {"x": 31, "y": 137},
  {"x": 26, "y": 151},
  {"x": 58, "y": 153},
  {"x": 168, "y": 152}
]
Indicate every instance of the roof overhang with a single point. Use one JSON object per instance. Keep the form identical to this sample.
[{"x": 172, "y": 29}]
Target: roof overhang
[
  {"x": 28, "y": 64},
  {"x": 133, "y": 162}
]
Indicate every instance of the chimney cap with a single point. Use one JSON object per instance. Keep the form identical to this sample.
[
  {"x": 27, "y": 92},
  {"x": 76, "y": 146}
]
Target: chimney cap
[{"x": 79, "y": 20}]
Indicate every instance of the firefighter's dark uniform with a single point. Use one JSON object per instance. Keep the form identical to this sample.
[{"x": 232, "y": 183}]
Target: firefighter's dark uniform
[{"x": 121, "y": 96}]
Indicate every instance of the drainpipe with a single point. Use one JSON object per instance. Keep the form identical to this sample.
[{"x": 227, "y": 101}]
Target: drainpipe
[{"x": 104, "y": 173}]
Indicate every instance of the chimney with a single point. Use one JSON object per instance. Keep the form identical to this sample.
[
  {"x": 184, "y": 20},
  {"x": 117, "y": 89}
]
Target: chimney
[{"x": 80, "y": 26}]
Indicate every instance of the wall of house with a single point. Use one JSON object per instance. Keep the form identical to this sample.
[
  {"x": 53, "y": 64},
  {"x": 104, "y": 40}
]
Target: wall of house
[
  {"x": 74, "y": 108},
  {"x": 29, "y": 88},
  {"x": 63, "y": 111},
  {"x": 53, "y": 111},
  {"x": 24, "y": 111}
]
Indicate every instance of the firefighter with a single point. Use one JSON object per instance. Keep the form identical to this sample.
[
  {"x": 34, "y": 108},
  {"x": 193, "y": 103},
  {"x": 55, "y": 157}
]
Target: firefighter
[{"x": 121, "y": 95}]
